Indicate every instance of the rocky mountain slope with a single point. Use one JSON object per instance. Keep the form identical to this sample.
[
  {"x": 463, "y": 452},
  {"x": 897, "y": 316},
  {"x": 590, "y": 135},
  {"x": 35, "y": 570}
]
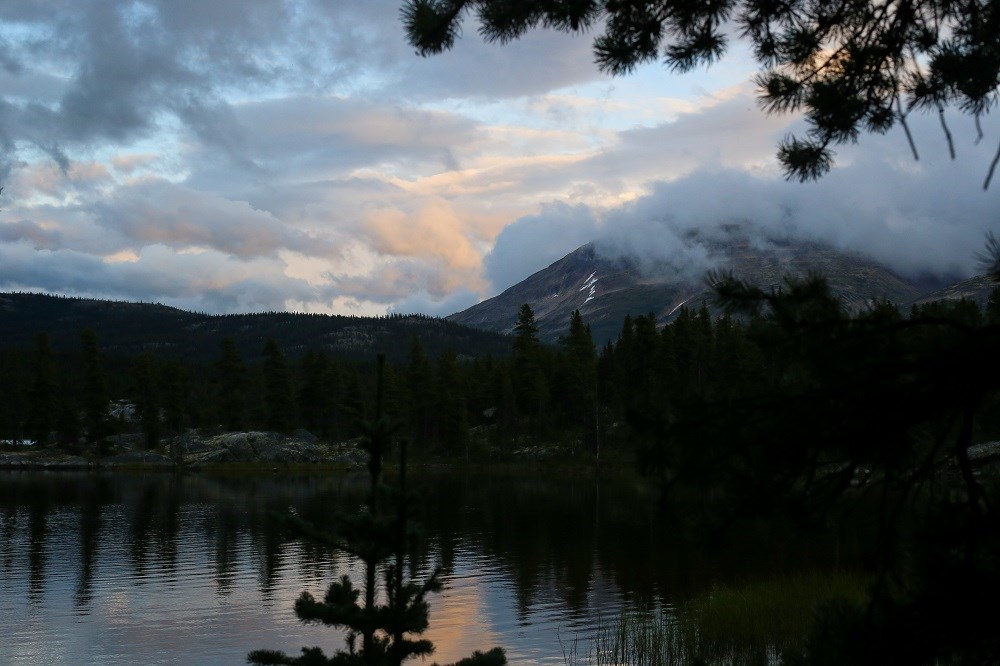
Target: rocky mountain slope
[
  {"x": 976, "y": 288},
  {"x": 606, "y": 286}
]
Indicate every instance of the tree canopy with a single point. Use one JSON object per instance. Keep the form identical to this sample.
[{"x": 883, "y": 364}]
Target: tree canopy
[{"x": 849, "y": 66}]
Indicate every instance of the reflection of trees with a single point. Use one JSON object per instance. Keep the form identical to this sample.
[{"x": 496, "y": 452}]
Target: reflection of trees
[
  {"x": 534, "y": 529},
  {"x": 555, "y": 537},
  {"x": 95, "y": 493},
  {"x": 8, "y": 526},
  {"x": 557, "y": 541},
  {"x": 38, "y": 517},
  {"x": 167, "y": 525},
  {"x": 140, "y": 525},
  {"x": 154, "y": 522},
  {"x": 226, "y": 527},
  {"x": 268, "y": 541}
]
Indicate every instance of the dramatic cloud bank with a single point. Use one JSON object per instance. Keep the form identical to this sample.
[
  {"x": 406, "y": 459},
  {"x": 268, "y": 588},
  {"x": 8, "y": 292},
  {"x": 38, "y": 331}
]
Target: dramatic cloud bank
[
  {"x": 231, "y": 156},
  {"x": 926, "y": 218}
]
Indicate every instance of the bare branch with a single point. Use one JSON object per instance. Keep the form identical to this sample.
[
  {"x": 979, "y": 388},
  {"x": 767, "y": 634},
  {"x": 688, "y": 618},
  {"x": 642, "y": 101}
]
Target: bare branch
[
  {"x": 947, "y": 132},
  {"x": 906, "y": 129},
  {"x": 993, "y": 167}
]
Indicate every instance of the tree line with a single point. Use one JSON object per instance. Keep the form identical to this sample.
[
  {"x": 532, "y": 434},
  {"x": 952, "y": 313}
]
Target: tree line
[{"x": 582, "y": 399}]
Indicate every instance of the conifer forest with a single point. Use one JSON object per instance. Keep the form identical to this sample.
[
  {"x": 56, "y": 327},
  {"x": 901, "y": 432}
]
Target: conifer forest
[{"x": 786, "y": 405}]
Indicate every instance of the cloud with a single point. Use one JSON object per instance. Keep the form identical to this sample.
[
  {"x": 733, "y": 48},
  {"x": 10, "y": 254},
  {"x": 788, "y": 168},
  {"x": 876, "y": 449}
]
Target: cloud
[
  {"x": 163, "y": 213},
  {"x": 130, "y": 162},
  {"x": 533, "y": 242},
  {"x": 424, "y": 303},
  {"x": 539, "y": 62},
  {"x": 320, "y": 134},
  {"x": 207, "y": 281},
  {"x": 395, "y": 280},
  {"x": 39, "y": 237},
  {"x": 926, "y": 218},
  {"x": 224, "y": 153},
  {"x": 433, "y": 231},
  {"x": 120, "y": 69}
]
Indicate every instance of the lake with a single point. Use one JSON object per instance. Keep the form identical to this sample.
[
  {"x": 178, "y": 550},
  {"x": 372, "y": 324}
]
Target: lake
[{"x": 165, "y": 569}]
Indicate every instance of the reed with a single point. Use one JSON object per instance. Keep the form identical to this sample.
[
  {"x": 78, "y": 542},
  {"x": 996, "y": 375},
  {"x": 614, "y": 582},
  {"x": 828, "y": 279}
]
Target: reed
[
  {"x": 646, "y": 639},
  {"x": 734, "y": 625}
]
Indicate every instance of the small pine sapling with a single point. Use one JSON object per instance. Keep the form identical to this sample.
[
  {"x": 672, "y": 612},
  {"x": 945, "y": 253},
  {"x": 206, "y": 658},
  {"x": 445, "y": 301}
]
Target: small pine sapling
[{"x": 379, "y": 537}]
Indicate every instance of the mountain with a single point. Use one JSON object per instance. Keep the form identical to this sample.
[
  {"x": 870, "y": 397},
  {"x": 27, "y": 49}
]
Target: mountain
[
  {"x": 132, "y": 328},
  {"x": 976, "y": 289},
  {"x": 606, "y": 285}
]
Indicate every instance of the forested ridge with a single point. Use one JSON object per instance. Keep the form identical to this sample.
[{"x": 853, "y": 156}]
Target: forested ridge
[
  {"x": 568, "y": 399},
  {"x": 126, "y": 328}
]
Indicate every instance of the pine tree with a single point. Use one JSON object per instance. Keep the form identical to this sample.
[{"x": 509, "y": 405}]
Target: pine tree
[
  {"x": 530, "y": 387},
  {"x": 314, "y": 396},
  {"x": 67, "y": 418},
  {"x": 607, "y": 390},
  {"x": 174, "y": 388},
  {"x": 13, "y": 395},
  {"x": 525, "y": 332},
  {"x": 624, "y": 361},
  {"x": 420, "y": 384},
  {"x": 992, "y": 313},
  {"x": 333, "y": 421},
  {"x": 734, "y": 362},
  {"x": 42, "y": 394},
  {"x": 95, "y": 390},
  {"x": 665, "y": 366},
  {"x": 350, "y": 402},
  {"x": 231, "y": 388},
  {"x": 507, "y": 415},
  {"x": 577, "y": 341},
  {"x": 452, "y": 418},
  {"x": 579, "y": 377},
  {"x": 278, "y": 404},
  {"x": 380, "y": 535},
  {"x": 641, "y": 370},
  {"x": 146, "y": 392}
]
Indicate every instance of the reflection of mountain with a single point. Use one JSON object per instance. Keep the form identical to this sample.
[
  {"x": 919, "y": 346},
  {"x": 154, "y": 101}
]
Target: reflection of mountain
[{"x": 606, "y": 286}]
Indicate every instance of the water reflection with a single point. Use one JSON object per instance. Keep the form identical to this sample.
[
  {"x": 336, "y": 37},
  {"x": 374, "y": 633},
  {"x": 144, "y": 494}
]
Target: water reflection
[
  {"x": 193, "y": 569},
  {"x": 94, "y": 498},
  {"x": 38, "y": 514}
]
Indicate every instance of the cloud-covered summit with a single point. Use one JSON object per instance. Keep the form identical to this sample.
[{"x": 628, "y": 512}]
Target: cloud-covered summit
[{"x": 926, "y": 218}]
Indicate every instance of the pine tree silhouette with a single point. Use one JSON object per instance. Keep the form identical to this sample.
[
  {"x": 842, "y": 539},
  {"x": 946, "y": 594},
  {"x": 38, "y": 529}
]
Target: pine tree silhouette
[{"x": 379, "y": 536}]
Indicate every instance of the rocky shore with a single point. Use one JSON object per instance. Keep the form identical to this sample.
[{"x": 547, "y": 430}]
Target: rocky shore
[{"x": 195, "y": 451}]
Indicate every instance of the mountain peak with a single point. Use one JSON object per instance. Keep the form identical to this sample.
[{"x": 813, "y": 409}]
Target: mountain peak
[{"x": 608, "y": 281}]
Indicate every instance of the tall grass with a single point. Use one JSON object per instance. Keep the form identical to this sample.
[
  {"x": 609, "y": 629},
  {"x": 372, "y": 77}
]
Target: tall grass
[
  {"x": 650, "y": 639},
  {"x": 739, "y": 625}
]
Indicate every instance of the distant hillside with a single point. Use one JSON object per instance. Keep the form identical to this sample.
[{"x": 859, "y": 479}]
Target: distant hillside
[
  {"x": 606, "y": 288},
  {"x": 131, "y": 328}
]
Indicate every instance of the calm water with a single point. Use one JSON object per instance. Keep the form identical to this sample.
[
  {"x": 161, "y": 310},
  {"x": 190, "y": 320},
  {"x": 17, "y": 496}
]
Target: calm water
[{"x": 163, "y": 569}]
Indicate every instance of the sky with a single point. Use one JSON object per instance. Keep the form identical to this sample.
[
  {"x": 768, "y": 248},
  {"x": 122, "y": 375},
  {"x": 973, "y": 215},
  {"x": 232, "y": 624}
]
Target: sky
[{"x": 234, "y": 156}]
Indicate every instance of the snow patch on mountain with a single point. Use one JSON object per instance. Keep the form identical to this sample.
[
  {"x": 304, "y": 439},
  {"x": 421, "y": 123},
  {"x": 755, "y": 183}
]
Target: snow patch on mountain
[
  {"x": 591, "y": 284},
  {"x": 678, "y": 306}
]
